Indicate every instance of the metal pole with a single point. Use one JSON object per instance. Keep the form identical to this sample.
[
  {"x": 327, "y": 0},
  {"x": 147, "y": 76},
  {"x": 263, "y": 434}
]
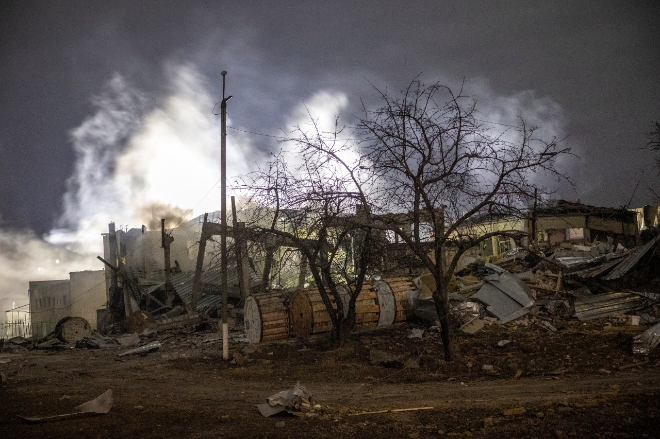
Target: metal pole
[{"x": 223, "y": 220}]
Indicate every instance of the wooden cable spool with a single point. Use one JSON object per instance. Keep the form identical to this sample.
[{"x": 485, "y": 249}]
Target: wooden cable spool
[
  {"x": 393, "y": 300},
  {"x": 309, "y": 316},
  {"x": 72, "y": 329},
  {"x": 308, "y": 313},
  {"x": 367, "y": 309},
  {"x": 401, "y": 289},
  {"x": 266, "y": 317}
]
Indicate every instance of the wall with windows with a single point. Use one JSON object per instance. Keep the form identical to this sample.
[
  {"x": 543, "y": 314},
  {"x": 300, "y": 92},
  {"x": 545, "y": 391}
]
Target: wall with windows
[{"x": 50, "y": 301}]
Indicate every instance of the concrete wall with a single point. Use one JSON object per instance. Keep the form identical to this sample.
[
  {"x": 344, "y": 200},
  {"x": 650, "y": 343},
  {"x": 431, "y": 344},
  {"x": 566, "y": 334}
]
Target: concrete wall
[
  {"x": 87, "y": 294},
  {"x": 50, "y": 301}
]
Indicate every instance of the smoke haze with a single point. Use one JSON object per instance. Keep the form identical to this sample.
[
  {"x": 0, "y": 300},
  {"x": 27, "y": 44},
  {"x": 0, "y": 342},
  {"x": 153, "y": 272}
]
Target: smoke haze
[{"x": 139, "y": 159}]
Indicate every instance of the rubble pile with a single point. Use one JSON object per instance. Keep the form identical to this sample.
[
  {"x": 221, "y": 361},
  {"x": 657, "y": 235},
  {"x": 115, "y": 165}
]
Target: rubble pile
[{"x": 600, "y": 281}]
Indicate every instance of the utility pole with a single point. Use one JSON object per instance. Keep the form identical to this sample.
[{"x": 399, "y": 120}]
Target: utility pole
[{"x": 223, "y": 220}]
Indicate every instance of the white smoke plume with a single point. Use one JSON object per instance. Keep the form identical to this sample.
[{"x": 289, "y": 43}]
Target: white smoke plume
[
  {"x": 136, "y": 162},
  {"x": 133, "y": 165}
]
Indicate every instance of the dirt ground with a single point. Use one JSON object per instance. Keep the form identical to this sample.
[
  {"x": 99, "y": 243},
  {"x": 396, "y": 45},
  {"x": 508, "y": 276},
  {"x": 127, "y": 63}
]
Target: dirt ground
[{"x": 581, "y": 381}]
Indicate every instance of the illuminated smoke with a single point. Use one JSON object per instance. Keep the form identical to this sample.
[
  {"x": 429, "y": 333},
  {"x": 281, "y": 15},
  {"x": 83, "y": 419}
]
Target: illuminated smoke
[
  {"x": 139, "y": 160},
  {"x": 135, "y": 166}
]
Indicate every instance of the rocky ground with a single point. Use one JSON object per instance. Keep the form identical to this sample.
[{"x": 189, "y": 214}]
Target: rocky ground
[{"x": 580, "y": 381}]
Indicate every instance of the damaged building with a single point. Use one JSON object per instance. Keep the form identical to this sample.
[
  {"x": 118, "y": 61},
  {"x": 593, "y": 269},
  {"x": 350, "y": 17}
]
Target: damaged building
[
  {"x": 52, "y": 300},
  {"x": 560, "y": 221}
]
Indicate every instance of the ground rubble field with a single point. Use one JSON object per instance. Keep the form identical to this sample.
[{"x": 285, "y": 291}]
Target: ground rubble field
[{"x": 580, "y": 381}]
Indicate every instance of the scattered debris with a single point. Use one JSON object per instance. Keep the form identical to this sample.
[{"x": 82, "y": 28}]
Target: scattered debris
[
  {"x": 129, "y": 340},
  {"x": 467, "y": 311},
  {"x": 72, "y": 329},
  {"x": 628, "y": 263},
  {"x": 489, "y": 369},
  {"x": 143, "y": 350},
  {"x": 425, "y": 310},
  {"x": 376, "y": 412},
  {"x": 644, "y": 343},
  {"x": 473, "y": 326},
  {"x": 503, "y": 343},
  {"x": 416, "y": 333},
  {"x": 602, "y": 305},
  {"x": 547, "y": 325},
  {"x": 97, "y": 406},
  {"x": 506, "y": 296},
  {"x": 241, "y": 338},
  {"x": 290, "y": 401}
]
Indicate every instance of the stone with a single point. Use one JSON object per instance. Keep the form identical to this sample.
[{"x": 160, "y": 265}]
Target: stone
[{"x": 514, "y": 411}]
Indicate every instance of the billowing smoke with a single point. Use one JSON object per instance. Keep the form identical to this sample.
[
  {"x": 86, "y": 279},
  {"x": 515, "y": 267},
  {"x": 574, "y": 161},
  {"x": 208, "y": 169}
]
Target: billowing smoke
[
  {"x": 136, "y": 161},
  {"x": 139, "y": 159},
  {"x": 501, "y": 116},
  {"x": 135, "y": 166}
]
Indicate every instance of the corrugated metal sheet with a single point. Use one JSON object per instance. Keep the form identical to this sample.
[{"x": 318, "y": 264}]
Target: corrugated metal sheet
[
  {"x": 602, "y": 305},
  {"x": 570, "y": 261},
  {"x": 632, "y": 260},
  {"x": 595, "y": 271},
  {"x": 183, "y": 286},
  {"x": 506, "y": 296},
  {"x": 496, "y": 302}
]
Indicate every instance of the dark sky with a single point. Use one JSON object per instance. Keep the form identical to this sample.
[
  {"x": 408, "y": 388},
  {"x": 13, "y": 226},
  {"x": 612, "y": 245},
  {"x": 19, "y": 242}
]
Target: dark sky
[{"x": 595, "y": 63}]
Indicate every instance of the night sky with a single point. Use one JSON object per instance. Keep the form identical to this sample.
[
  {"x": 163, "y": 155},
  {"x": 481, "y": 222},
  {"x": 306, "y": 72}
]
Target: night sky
[{"x": 106, "y": 107}]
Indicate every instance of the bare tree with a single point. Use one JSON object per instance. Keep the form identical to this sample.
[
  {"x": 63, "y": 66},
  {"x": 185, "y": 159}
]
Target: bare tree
[
  {"x": 437, "y": 165},
  {"x": 308, "y": 206},
  {"x": 425, "y": 168}
]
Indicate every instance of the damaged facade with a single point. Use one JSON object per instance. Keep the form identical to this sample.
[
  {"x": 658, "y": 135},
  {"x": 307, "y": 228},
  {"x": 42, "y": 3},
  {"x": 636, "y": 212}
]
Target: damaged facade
[{"x": 561, "y": 222}]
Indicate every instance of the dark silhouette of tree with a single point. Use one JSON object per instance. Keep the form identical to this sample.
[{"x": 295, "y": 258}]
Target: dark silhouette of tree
[
  {"x": 435, "y": 162},
  {"x": 424, "y": 168},
  {"x": 308, "y": 206}
]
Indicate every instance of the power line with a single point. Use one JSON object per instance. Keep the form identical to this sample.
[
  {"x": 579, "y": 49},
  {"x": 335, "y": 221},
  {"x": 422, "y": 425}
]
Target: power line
[
  {"x": 285, "y": 138},
  {"x": 200, "y": 201}
]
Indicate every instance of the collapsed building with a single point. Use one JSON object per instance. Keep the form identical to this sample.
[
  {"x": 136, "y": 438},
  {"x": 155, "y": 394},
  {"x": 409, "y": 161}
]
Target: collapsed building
[{"x": 574, "y": 261}]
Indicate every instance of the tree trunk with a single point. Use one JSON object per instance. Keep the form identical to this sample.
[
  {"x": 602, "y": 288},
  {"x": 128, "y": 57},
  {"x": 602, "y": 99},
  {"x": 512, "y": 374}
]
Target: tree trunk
[{"x": 442, "y": 307}]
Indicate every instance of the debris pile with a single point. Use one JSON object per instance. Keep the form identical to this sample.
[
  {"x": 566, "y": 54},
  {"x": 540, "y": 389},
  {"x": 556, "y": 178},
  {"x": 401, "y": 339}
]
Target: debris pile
[
  {"x": 291, "y": 401},
  {"x": 568, "y": 281}
]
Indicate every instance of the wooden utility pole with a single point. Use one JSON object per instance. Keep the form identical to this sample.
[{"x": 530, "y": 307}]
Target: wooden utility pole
[{"x": 223, "y": 220}]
